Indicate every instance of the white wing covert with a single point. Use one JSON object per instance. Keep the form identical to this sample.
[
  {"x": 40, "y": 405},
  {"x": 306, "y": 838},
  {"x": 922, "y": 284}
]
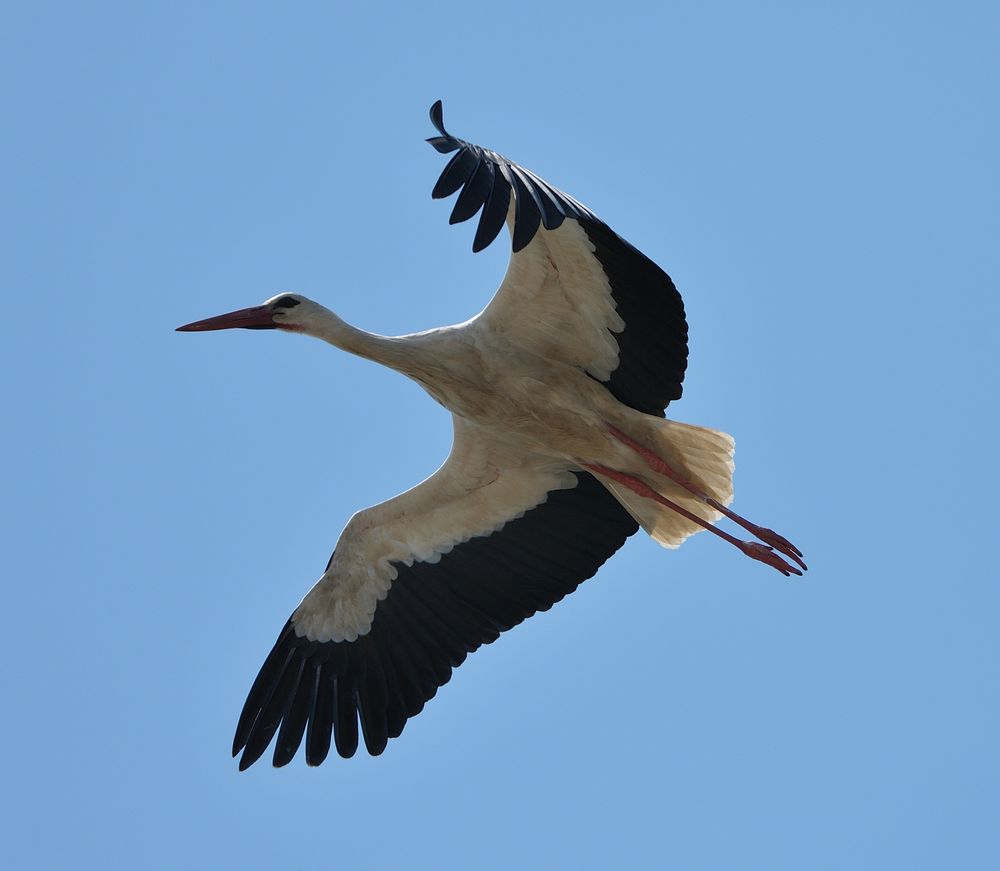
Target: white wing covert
[
  {"x": 478, "y": 489},
  {"x": 416, "y": 584},
  {"x": 574, "y": 290}
]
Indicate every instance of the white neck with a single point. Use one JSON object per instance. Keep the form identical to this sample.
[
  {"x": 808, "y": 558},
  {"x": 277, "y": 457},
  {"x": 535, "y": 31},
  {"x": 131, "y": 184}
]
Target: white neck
[{"x": 401, "y": 353}]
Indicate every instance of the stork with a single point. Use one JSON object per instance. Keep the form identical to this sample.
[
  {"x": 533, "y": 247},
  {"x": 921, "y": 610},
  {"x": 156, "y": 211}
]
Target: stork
[{"x": 561, "y": 451}]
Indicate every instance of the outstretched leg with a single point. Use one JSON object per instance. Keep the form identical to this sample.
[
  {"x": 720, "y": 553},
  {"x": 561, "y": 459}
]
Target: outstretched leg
[
  {"x": 752, "y": 549},
  {"x": 657, "y": 464}
]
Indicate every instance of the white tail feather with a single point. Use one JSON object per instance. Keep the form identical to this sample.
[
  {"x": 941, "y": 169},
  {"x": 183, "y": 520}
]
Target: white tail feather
[{"x": 704, "y": 457}]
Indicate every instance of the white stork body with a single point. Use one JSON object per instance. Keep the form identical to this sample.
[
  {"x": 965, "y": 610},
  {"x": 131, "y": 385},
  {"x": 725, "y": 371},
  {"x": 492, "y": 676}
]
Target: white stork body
[
  {"x": 522, "y": 423},
  {"x": 560, "y": 452}
]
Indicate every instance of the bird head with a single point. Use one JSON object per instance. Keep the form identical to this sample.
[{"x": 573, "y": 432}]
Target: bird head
[{"x": 286, "y": 311}]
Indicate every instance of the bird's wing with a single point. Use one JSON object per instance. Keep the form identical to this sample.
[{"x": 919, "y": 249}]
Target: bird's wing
[
  {"x": 417, "y": 583},
  {"x": 574, "y": 291}
]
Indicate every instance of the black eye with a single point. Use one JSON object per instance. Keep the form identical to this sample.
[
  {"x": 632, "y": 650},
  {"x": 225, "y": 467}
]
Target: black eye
[{"x": 286, "y": 302}]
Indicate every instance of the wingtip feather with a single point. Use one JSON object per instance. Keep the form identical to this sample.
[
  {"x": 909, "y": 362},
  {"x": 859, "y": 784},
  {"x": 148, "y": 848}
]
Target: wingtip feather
[{"x": 437, "y": 117}]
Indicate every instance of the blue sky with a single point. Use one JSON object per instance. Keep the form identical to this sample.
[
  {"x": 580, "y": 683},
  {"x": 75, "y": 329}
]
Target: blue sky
[{"x": 821, "y": 182}]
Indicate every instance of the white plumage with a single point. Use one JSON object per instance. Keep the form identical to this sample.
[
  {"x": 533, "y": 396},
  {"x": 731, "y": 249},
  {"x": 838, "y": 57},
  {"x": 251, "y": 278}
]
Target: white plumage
[{"x": 560, "y": 452}]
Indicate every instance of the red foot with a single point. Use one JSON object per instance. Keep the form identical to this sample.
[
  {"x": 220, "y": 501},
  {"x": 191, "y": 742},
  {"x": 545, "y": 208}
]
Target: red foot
[
  {"x": 765, "y": 554},
  {"x": 769, "y": 536},
  {"x": 760, "y": 552},
  {"x": 779, "y": 543}
]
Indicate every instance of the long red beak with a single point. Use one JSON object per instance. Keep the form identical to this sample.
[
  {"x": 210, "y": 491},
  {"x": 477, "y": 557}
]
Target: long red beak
[{"x": 256, "y": 318}]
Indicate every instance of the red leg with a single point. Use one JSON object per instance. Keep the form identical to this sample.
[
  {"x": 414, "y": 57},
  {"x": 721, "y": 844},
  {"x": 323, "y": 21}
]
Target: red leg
[
  {"x": 752, "y": 549},
  {"x": 657, "y": 464}
]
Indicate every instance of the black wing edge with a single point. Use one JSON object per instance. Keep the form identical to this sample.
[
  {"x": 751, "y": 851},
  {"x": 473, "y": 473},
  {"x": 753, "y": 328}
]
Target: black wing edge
[
  {"x": 434, "y": 616},
  {"x": 653, "y": 347},
  {"x": 488, "y": 180}
]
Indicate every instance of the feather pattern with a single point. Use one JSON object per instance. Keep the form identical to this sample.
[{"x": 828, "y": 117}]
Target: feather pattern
[
  {"x": 419, "y": 582},
  {"x": 537, "y": 202},
  {"x": 599, "y": 270},
  {"x": 436, "y": 614}
]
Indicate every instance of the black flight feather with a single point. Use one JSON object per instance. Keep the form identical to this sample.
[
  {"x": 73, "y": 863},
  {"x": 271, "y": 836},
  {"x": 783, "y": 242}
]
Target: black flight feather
[{"x": 433, "y": 616}]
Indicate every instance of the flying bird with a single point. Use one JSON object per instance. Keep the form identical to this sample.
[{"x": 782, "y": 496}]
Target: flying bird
[{"x": 561, "y": 451}]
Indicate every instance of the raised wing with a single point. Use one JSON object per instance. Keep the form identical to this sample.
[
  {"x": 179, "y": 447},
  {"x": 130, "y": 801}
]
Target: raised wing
[
  {"x": 574, "y": 290},
  {"x": 415, "y": 585}
]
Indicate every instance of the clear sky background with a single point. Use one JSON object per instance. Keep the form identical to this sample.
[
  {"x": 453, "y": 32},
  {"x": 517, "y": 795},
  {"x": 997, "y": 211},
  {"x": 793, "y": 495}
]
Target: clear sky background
[{"x": 821, "y": 182}]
